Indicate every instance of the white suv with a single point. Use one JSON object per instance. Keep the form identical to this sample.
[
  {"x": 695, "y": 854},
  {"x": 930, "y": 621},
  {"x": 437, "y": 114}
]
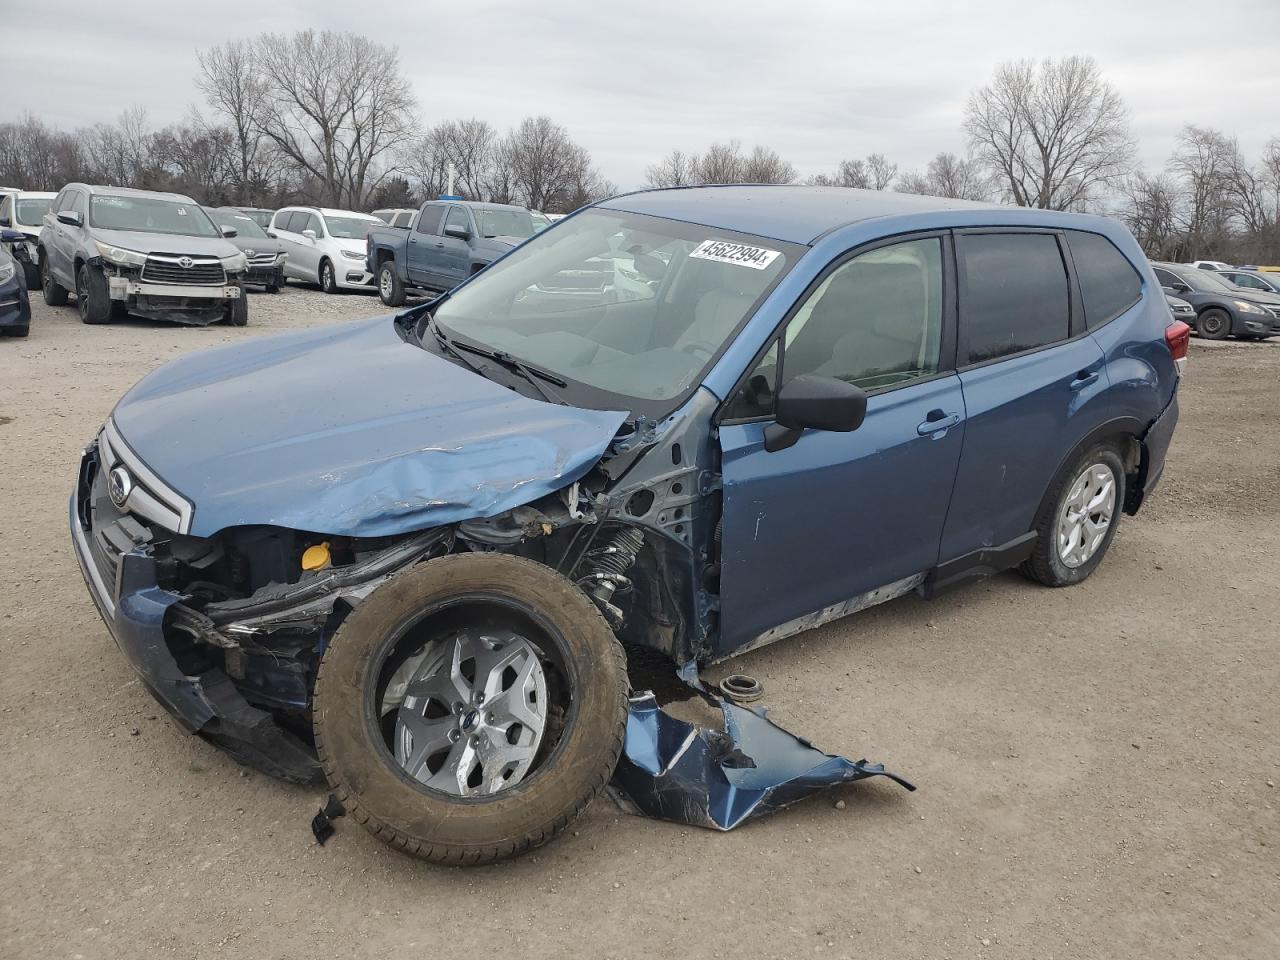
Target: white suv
[{"x": 325, "y": 246}]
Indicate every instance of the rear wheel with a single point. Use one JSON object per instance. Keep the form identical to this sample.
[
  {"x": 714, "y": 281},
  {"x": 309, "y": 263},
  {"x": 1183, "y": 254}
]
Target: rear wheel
[
  {"x": 1214, "y": 324},
  {"x": 1077, "y": 524},
  {"x": 328, "y": 282},
  {"x": 55, "y": 295},
  {"x": 470, "y": 708},
  {"x": 390, "y": 289}
]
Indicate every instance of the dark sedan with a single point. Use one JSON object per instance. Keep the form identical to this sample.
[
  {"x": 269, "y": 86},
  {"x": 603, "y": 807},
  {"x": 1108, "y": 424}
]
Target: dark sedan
[
  {"x": 1222, "y": 308},
  {"x": 15, "y": 309},
  {"x": 1253, "y": 280}
]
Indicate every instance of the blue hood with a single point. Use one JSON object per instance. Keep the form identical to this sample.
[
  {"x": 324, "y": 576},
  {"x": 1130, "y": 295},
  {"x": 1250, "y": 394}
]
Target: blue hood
[{"x": 350, "y": 431}]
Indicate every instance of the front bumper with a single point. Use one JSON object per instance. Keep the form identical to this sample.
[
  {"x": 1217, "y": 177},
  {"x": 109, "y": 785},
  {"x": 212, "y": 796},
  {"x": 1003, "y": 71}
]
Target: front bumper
[
  {"x": 268, "y": 275},
  {"x": 1253, "y": 325},
  {"x": 352, "y": 274},
  {"x": 15, "y": 307},
  {"x": 123, "y": 288},
  {"x": 117, "y": 560}
]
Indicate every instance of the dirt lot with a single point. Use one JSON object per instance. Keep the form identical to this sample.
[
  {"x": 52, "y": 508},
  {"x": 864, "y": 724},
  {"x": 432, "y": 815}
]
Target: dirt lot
[{"x": 1097, "y": 766}]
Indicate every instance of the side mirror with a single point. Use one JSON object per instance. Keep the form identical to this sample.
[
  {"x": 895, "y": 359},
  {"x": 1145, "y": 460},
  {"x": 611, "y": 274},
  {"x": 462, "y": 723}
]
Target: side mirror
[
  {"x": 11, "y": 236},
  {"x": 310, "y": 235},
  {"x": 272, "y": 235},
  {"x": 814, "y": 402},
  {"x": 228, "y": 232},
  {"x": 4, "y": 221},
  {"x": 458, "y": 233},
  {"x": 71, "y": 217}
]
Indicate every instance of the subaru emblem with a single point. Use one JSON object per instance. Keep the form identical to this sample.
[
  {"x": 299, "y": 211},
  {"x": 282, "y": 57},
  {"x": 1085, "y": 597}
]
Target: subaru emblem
[
  {"x": 185, "y": 262},
  {"x": 119, "y": 486}
]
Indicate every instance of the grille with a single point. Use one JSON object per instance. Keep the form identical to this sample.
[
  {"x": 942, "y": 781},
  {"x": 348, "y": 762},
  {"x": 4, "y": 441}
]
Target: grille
[
  {"x": 263, "y": 259},
  {"x": 1274, "y": 311},
  {"x": 166, "y": 269}
]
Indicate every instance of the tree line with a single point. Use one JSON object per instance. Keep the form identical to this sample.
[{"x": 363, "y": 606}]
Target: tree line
[{"x": 330, "y": 118}]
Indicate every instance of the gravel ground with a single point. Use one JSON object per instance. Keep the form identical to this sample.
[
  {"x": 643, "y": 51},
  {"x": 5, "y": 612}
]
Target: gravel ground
[{"x": 1097, "y": 766}]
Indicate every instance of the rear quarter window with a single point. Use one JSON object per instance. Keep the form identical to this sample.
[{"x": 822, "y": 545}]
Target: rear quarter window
[
  {"x": 1014, "y": 294},
  {"x": 1109, "y": 285}
]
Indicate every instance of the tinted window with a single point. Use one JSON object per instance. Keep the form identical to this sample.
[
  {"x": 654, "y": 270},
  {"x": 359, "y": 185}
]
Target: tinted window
[
  {"x": 429, "y": 222},
  {"x": 77, "y": 203},
  {"x": 291, "y": 221},
  {"x": 4, "y": 205},
  {"x": 311, "y": 222},
  {"x": 457, "y": 218},
  {"x": 1108, "y": 283},
  {"x": 1167, "y": 279},
  {"x": 1013, "y": 293},
  {"x": 60, "y": 201},
  {"x": 401, "y": 219}
]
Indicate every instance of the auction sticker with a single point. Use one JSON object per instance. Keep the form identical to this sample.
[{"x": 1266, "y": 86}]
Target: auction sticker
[{"x": 740, "y": 254}]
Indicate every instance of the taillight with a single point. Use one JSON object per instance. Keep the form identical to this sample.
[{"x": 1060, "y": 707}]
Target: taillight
[{"x": 1178, "y": 336}]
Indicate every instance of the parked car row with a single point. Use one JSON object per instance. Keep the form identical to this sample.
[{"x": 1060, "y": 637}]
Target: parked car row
[{"x": 1221, "y": 307}]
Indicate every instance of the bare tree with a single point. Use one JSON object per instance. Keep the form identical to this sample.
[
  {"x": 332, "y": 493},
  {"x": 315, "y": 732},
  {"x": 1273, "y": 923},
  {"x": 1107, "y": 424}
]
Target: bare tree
[
  {"x": 467, "y": 146},
  {"x": 1150, "y": 207},
  {"x": 874, "y": 173},
  {"x": 676, "y": 169},
  {"x": 543, "y": 160},
  {"x": 1202, "y": 163},
  {"x": 1055, "y": 133},
  {"x": 880, "y": 171},
  {"x": 337, "y": 105},
  {"x": 233, "y": 86},
  {"x": 764, "y": 165},
  {"x": 722, "y": 163}
]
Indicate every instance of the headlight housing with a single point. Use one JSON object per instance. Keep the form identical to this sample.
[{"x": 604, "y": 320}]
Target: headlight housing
[
  {"x": 7, "y": 270},
  {"x": 235, "y": 264},
  {"x": 353, "y": 254},
  {"x": 119, "y": 255},
  {"x": 1245, "y": 307}
]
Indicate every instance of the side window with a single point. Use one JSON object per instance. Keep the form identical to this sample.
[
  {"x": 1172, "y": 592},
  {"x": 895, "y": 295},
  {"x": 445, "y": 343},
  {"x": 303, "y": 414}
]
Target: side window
[
  {"x": 5, "y": 206},
  {"x": 457, "y": 218},
  {"x": 291, "y": 221},
  {"x": 401, "y": 219},
  {"x": 1108, "y": 283},
  {"x": 875, "y": 321},
  {"x": 59, "y": 202},
  {"x": 312, "y": 222},
  {"x": 1014, "y": 294},
  {"x": 429, "y": 222},
  {"x": 78, "y": 203},
  {"x": 1244, "y": 280},
  {"x": 1167, "y": 279}
]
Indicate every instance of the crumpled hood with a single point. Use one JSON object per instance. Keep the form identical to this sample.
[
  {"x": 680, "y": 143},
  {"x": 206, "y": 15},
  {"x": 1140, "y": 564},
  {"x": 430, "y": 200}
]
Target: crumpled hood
[
  {"x": 166, "y": 243},
  {"x": 351, "y": 431}
]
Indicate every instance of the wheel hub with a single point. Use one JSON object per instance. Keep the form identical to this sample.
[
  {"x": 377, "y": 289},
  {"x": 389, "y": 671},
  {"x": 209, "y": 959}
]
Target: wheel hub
[
  {"x": 470, "y": 712},
  {"x": 1086, "y": 514}
]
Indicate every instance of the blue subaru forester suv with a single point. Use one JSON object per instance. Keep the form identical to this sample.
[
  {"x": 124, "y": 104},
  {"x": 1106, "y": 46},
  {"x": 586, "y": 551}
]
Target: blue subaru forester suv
[{"x": 409, "y": 552}]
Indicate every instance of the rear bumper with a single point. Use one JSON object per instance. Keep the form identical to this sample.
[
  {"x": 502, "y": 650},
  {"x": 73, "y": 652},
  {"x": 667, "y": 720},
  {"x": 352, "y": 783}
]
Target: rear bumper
[{"x": 1155, "y": 447}]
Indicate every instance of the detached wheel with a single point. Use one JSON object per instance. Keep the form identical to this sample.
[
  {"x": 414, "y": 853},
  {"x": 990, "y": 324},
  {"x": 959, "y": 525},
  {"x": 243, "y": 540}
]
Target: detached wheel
[
  {"x": 390, "y": 289},
  {"x": 1214, "y": 324},
  {"x": 471, "y": 708},
  {"x": 55, "y": 295},
  {"x": 328, "y": 282},
  {"x": 93, "y": 298},
  {"x": 1077, "y": 524}
]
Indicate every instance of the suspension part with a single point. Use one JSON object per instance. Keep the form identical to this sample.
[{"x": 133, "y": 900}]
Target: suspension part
[{"x": 607, "y": 568}]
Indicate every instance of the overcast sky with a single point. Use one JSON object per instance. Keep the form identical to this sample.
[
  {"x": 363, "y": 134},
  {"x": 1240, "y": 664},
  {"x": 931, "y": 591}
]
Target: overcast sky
[{"x": 818, "y": 81}]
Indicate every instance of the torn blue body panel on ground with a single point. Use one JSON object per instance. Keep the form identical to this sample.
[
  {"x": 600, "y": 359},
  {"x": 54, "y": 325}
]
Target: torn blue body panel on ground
[{"x": 675, "y": 770}]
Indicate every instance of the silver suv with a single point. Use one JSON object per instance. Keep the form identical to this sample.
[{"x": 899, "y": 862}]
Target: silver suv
[{"x": 157, "y": 255}]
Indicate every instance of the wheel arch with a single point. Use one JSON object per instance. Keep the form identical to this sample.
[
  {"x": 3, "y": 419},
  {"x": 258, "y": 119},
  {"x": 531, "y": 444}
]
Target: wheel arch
[{"x": 1125, "y": 434}]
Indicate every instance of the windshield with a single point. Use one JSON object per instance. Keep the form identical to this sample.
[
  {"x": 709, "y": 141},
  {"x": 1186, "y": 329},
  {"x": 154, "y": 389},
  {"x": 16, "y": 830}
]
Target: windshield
[
  {"x": 504, "y": 223},
  {"x": 150, "y": 215},
  {"x": 622, "y": 303},
  {"x": 540, "y": 221},
  {"x": 1207, "y": 282},
  {"x": 241, "y": 223},
  {"x": 348, "y": 228},
  {"x": 30, "y": 213}
]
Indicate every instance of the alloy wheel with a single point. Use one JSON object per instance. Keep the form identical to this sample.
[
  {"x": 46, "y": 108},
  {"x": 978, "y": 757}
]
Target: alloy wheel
[
  {"x": 1086, "y": 514},
  {"x": 470, "y": 711},
  {"x": 384, "y": 284}
]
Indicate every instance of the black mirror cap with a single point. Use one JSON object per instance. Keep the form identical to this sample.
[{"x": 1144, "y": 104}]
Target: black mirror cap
[
  {"x": 4, "y": 221},
  {"x": 11, "y": 236},
  {"x": 459, "y": 233},
  {"x": 229, "y": 232},
  {"x": 815, "y": 402},
  {"x": 70, "y": 217}
]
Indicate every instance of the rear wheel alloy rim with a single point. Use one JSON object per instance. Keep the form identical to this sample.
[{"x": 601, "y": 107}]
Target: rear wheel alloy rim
[
  {"x": 472, "y": 709},
  {"x": 1085, "y": 515},
  {"x": 385, "y": 284}
]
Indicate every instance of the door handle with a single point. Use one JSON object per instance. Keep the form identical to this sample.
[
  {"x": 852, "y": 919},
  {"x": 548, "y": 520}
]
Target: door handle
[
  {"x": 1083, "y": 379},
  {"x": 440, "y": 245},
  {"x": 413, "y": 239},
  {"x": 937, "y": 423}
]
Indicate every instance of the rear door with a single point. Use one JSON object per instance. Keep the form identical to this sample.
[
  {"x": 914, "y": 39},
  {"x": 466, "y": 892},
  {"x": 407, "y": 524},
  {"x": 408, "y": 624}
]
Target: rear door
[
  {"x": 820, "y": 525},
  {"x": 1034, "y": 382},
  {"x": 422, "y": 245},
  {"x": 281, "y": 226}
]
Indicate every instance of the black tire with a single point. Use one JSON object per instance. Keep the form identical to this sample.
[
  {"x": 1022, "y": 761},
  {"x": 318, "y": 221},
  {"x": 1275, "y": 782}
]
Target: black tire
[
  {"x": 238, "y": 309},
  {"x": 92, "y": 297},
  {"x": 1214, "y": 324},
  {"x": 1045, "y": 565},
  {"x": 456, "y": 830},
  {"x": 273, "y": 288},
  {"x": 390, "y": 289},
  {"x": 14, "y": 331},
  {"x": 31, "y": 274},
  {"x": 328, "y": 281},
  {"x": 55, "y": 295}
]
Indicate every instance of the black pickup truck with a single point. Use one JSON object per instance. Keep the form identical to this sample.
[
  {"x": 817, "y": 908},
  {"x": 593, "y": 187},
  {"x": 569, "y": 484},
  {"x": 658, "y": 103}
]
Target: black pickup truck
[{"x": 447, "y": 241}]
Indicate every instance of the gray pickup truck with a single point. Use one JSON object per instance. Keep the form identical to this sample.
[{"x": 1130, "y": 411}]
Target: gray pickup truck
[{"x": 446, "y": 242}]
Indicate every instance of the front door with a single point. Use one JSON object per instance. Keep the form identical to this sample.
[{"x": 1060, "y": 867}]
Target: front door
[
  {"x": 453, "y": 256},
  {"x": 822, "y": 525},
  {"x": 421, "y": 247}
]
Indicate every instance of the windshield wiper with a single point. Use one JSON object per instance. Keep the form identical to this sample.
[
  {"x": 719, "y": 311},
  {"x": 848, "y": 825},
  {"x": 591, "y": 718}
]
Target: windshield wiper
[{"x": 512, "y": 364}]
